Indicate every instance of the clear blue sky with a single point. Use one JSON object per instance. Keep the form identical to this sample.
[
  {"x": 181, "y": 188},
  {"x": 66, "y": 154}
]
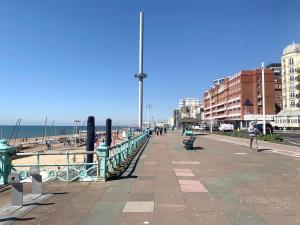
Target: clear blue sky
[{"x": 69, "y": 59}]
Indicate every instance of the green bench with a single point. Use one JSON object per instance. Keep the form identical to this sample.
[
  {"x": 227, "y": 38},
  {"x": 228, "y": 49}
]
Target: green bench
[{"x": 189, "y": 144}]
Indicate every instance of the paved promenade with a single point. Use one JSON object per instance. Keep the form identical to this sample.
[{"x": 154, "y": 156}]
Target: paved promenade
[{"x": 220, "y": 182}]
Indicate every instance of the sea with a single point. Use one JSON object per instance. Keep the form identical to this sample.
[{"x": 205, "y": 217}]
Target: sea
[{"x": 7, "y": 131}]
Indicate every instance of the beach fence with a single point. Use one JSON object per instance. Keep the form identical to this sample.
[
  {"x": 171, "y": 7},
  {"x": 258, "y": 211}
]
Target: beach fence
[{"x": 70, "y": 165}]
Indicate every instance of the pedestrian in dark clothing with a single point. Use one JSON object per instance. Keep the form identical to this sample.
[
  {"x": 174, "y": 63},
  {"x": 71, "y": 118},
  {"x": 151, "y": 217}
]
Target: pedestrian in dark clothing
[
  {"x": 165, "y": 130},
  {"x": 183, "y": 131},
  {"x": 161, "y": 131},
  {"x": 157, "y": 132}
]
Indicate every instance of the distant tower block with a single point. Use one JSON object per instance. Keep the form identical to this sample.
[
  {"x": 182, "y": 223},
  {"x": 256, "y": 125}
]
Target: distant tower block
[{"x": 140, "y": 75}]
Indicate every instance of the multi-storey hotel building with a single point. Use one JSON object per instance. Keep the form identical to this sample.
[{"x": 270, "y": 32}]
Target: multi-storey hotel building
[{"x": 239, "y": 98}]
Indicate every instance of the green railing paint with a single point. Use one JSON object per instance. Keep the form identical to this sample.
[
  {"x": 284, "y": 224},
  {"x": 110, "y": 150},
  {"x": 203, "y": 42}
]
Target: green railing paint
[
  {"x": 107, "y": 160},
  {"x": 6, "y": 152}
]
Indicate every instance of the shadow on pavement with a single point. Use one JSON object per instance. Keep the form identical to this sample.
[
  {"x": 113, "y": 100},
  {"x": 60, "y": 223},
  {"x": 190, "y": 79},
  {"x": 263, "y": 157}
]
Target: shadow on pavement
[
  {"x": 127, "y": 170},
  {"x": 197, "y": 148},
  {"x": 15, "y": 219},
  {"x": 60, "y": 193},
  {"x": 39, "y": 204},
  {"x": 264, "y": 149},
  {"x": 4, "y": 187}
]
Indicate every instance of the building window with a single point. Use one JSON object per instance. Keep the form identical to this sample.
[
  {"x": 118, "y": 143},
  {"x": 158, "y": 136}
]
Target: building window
[
  {"x": 291, "y": 61},
  {"x": 292, "y": 78},
  {"x": 291, "y": 70},
  {"x": 292, "y": 94},
  {"x": 292, "y": 103}
]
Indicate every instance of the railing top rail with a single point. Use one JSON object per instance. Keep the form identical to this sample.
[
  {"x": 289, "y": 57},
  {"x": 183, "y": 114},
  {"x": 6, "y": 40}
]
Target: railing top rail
[
  {"x": 55, "y": 153},
  {"x": 118, "y": 145}
]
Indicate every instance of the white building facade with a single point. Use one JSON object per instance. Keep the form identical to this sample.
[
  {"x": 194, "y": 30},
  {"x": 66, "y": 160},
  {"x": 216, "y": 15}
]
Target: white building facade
[
  {"x": 189, "y": 107},
  {"x": 289, "y": 117}
]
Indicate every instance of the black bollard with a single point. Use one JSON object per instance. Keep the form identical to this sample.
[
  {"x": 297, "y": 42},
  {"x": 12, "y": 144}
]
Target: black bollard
[
  {"x": 90, "y": 139},
  {"x": 108, "y": 132}
]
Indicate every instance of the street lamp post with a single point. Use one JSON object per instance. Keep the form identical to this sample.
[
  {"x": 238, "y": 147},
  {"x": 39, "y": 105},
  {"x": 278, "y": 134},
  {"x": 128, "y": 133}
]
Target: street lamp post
[
  {"x": 76, "y": 133},
  {"x": 210, "y": 114},
  {"x": 263, "y": 97},
  {"x": 149, "y": 106}
]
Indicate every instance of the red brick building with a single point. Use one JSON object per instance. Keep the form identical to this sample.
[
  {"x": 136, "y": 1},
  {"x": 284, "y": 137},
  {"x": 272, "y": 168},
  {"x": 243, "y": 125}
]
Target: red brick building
[{"x": 238, "y": 96}]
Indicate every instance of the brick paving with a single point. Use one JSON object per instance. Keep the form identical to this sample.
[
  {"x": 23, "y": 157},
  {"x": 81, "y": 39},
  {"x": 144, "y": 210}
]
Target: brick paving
[{"x": 218, "y": 183}]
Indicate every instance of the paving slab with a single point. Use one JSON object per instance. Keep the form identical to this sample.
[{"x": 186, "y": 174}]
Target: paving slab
[{"x": 139, "y": 206}]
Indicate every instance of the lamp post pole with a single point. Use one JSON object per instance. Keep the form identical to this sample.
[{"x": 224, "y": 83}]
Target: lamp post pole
[
  {"x": 149, "y": 106},
  {"x": 263, "y": 97},
  {"x": 210, "y": 114}
]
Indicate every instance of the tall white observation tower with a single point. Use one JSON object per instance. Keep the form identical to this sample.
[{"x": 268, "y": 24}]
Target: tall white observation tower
[{"x": 140, "y": 75}]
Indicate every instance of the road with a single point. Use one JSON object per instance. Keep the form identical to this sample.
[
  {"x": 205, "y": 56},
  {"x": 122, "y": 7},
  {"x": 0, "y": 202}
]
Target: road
[{"x": 290, "y": 138}]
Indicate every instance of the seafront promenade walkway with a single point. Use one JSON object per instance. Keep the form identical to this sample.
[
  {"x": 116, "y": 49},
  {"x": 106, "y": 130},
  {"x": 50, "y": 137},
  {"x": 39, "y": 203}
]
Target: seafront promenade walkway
[{"x": 220, "y": 182}]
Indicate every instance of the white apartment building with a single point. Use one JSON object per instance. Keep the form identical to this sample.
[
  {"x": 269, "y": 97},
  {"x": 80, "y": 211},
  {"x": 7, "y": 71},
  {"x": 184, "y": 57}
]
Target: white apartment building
[
  {"x": 289, "y": 117},
  {"x": 189, "y": 107}
]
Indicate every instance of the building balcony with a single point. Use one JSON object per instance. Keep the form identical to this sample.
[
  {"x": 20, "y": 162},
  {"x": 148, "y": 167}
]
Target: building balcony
[
  {"x": 233, "y": 99},
  {"x": 234, "y": 107}
]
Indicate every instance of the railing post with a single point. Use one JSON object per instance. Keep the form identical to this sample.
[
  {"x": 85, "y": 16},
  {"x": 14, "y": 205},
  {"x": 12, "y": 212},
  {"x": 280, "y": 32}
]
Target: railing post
[
  {"x": 6, "y": 152},
  {"x": 68, "y": 166},
  {"x": 38, "y": 159},
  {"x": 102, "y": 154}
]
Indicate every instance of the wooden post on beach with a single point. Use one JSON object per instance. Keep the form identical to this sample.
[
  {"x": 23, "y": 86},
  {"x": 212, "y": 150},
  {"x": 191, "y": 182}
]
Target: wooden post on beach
[{"x": 90, "y": 139}]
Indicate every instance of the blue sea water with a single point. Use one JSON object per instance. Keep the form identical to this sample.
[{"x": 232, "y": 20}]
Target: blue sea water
[{"x": 6, "y": 131}]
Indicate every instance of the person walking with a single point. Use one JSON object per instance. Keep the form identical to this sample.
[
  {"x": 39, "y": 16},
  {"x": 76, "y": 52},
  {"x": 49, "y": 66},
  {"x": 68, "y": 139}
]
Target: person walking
[
  {"x": 253, "y": 131},
  {"x": 161, "y": 131},
  {"x": 183, "y": 131}
]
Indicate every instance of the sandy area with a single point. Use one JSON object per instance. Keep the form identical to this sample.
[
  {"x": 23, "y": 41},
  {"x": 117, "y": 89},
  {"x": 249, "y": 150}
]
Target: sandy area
[{"x": 56, "y": 159}]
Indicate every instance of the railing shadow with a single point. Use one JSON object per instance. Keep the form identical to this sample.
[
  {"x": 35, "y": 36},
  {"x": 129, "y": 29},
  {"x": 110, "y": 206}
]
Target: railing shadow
[
  {"x": 4, "y": 187},
  {"x": 126, "y": 171},
  {"x": 39, "y": 204},
  {"x": 15, "y": 219}
]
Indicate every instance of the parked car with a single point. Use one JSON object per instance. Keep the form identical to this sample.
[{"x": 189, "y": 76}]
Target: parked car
[
  {"x": 226, "y": 127},
  {"x": 203, "y": 128},
  {"x": 269, "y": 128},
  {"x": 215, "y": 128}
]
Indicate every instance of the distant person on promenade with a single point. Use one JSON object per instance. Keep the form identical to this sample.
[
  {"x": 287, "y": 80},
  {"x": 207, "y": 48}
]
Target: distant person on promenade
[
  {"x": 183, "y": 130},
  {"x": 157, "y": 132},
  {"x": 165, "y": 129},
  {"x": 161, "y": 131},
  {"x": 253, "y": 131}
]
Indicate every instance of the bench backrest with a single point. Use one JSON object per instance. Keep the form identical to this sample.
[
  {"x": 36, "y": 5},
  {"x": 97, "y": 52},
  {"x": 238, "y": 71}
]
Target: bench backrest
[{"x": 192, "y": 138}]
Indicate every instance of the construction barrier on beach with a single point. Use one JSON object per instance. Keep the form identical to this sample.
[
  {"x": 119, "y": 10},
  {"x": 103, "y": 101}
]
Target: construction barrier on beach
[{"x": 72, "y": 165}]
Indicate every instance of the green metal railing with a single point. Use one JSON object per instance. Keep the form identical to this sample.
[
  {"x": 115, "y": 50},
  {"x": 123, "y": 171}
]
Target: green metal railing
[{"x": 106, "y": 161}]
